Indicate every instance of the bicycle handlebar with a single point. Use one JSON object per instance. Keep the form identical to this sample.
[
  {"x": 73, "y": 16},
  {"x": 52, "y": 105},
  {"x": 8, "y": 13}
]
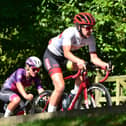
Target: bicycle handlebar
[
  {"x": 105, "y": 77},
  {"x": 25, "y": 104},
  {"x": 79, "y": 72}
]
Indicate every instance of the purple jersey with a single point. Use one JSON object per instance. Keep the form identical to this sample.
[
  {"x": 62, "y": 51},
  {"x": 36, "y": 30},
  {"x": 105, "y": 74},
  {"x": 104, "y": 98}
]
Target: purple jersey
[{"x": 20, "y": 76}]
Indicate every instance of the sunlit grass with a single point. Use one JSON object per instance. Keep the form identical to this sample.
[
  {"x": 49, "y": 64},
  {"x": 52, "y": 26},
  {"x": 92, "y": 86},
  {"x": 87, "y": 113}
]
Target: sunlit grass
[{"x": 102, "y": 120}]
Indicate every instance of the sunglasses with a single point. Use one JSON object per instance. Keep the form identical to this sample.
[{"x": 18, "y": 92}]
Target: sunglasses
[
  {"x": 87, "y": 27},
  {"x": 34, "y": 69}
]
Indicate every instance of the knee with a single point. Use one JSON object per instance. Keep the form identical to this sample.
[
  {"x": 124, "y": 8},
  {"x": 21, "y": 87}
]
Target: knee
[
  {"x": 59, "y": 86},
  {"x": 16, "y": 100}
]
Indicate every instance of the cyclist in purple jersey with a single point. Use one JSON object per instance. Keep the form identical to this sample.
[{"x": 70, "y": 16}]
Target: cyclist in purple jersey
[
  {"x": 61, "y": 48},
  {"x": 14, "y": 86}
]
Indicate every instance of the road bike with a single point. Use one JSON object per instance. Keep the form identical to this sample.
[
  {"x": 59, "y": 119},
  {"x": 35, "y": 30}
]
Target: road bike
[{"x": 87, "y": 96}]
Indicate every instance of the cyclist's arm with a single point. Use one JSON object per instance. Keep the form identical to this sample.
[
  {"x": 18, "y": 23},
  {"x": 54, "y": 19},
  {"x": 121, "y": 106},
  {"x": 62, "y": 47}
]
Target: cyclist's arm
[
  {"x": 97, "y": 61},
  {"x": 40, "y": 90},
  {"x": 38, "y": 84},
  {"x": 22, "y": 91},
  {"x": 69, "y": 55}
]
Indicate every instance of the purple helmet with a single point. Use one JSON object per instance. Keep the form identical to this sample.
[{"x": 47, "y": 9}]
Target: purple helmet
[{"x": 34, "y": 62}]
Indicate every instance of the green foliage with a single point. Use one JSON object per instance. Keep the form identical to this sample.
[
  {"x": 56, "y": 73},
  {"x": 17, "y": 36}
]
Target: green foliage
[{"x": 27, "y": 26}]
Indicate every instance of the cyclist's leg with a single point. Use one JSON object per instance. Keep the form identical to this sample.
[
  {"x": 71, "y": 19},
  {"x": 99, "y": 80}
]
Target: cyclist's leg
[
  {"x": 58, "y": 83},
  {"x": 73, "y": 67},
  {"x": 52, "y": 65},
  {"x": 78, "y": 80},
  {"x": 12, "y": 98}
]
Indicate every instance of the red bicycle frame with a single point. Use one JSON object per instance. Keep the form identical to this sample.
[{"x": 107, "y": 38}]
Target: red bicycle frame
[{"x": 83, "y": 86}]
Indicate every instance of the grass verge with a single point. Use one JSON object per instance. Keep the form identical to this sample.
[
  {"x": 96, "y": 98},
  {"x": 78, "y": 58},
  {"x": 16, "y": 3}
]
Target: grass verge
[{"x": 101, "y": 120}]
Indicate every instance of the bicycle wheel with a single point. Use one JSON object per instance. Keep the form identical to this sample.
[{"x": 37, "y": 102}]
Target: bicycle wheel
[
  {"x": 41, "y": 102},
  {"x": 98, "y": 96}
]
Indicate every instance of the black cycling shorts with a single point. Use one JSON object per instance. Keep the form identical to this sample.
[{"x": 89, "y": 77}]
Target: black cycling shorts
[
  {"x": 7, "y": 95},
  {"x": 53, "y": 63}
]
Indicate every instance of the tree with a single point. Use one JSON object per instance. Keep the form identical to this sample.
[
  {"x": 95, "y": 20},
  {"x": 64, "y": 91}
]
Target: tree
[{"x": 27, "y": 26}]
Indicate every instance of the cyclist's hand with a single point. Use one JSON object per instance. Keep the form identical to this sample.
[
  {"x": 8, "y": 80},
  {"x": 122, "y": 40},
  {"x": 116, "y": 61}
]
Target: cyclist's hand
[
  {"x": 81, "y": 64},
  {"x": 109, "y": 66},
  {"x": 29, "y": 97}
]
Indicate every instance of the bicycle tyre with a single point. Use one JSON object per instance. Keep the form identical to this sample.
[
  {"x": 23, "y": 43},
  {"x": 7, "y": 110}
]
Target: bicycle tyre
[
  {"x": 92, "y": 102},
  {"x": 41, "y": 102}
]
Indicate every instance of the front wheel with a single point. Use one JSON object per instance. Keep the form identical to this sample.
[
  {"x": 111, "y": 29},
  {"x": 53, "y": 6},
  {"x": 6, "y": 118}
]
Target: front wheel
[
  {"x": 41, "y": 102},
  {"x": 98, "y": 96}
]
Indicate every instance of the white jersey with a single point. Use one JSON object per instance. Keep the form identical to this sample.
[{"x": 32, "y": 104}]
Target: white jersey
[{"x": 70, "y": 37}]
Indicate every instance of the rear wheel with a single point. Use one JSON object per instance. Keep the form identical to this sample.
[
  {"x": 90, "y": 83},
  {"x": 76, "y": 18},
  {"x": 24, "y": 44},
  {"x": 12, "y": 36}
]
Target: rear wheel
[{"x": 98, "y": 96}]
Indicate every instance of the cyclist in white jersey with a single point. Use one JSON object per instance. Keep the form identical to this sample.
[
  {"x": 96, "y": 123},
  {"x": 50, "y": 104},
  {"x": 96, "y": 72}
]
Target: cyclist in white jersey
[
  {"x": 61, "y": 48},
  {"x": 13, "y": 89}
]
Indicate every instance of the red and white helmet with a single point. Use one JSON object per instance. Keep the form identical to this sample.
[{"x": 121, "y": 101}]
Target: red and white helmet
[
  {"x": 84, "y": 18},
  {"x": 34, "y": 62}
]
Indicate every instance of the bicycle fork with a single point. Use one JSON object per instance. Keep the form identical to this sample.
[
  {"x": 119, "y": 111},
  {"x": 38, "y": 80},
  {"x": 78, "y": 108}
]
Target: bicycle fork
[{"x": 85, "y": 95}]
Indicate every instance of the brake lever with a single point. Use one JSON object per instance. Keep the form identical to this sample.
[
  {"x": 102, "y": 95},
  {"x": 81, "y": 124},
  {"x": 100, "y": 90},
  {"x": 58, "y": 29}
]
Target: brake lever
[{"x": 110, "y": 66}]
